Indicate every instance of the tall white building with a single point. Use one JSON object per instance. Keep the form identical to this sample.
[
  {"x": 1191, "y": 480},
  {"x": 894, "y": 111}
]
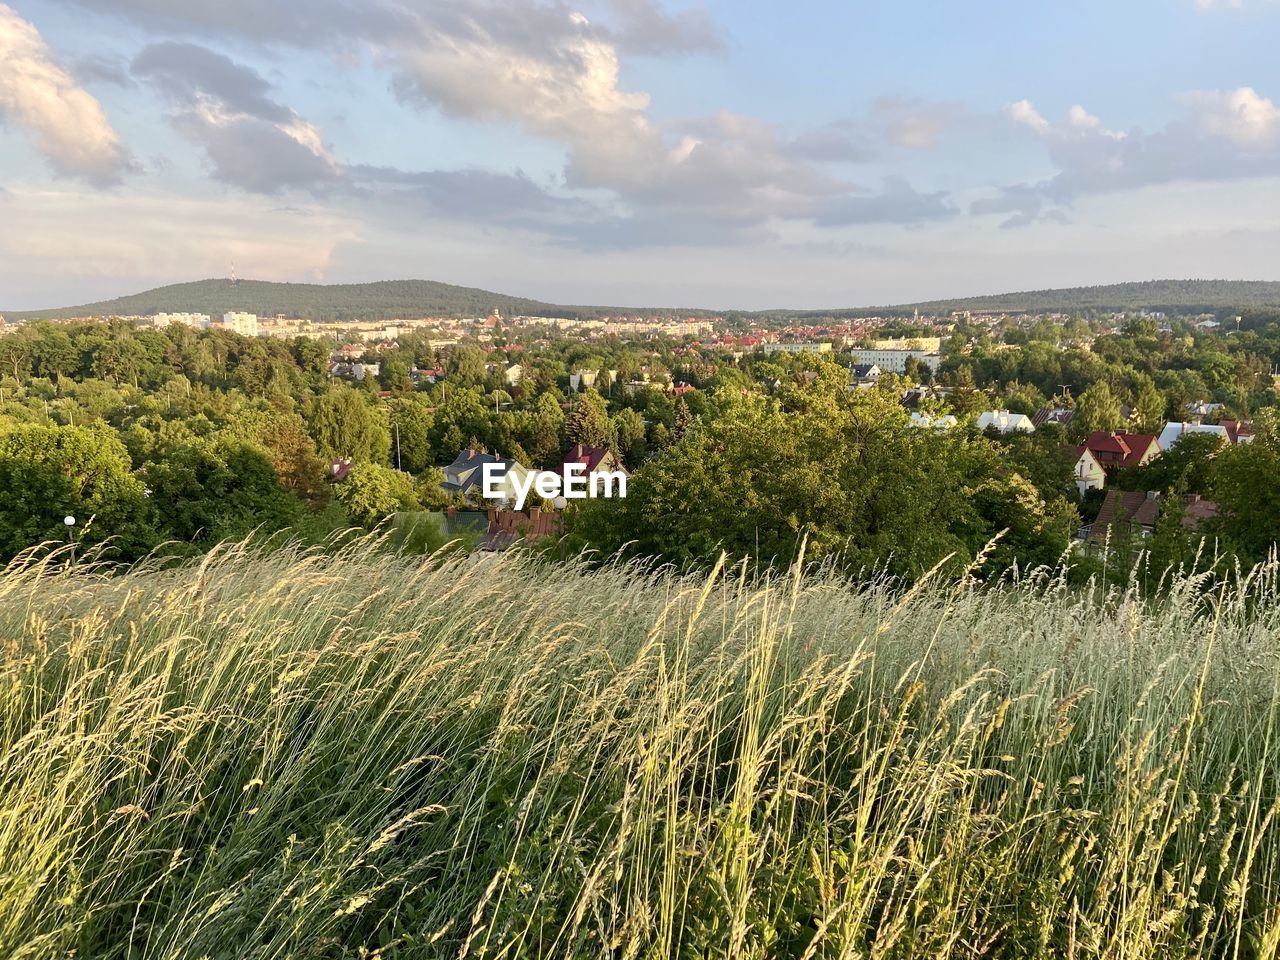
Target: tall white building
[
  {"x": 895, "y": 361},
  {"x": 245, "y": 324}
]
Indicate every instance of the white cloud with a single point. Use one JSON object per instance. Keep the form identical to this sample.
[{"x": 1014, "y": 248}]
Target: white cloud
[
  {"x": 1220, "y": 136},
  {"x": 1243, "y": 116},
  {"x": 1025, "y": 113},
  {"x": 1078, "y": 122},
  {"x": 38, "y": 94}
]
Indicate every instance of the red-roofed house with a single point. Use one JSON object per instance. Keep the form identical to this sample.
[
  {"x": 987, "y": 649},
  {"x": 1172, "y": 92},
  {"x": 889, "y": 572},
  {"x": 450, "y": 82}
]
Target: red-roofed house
[
  {"x": 1122, "y": 449},
  {"x": 595, "y": 459},
  {"x": 1238, "y": 431}
]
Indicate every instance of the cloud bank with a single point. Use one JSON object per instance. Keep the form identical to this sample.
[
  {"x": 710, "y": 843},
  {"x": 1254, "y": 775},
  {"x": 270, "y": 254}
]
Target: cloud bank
[{"x": 66, "y": 123}]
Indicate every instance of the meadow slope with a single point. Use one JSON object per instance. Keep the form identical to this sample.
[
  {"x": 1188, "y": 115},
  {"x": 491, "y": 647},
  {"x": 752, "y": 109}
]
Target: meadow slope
[{"x": 294, "y": 755}]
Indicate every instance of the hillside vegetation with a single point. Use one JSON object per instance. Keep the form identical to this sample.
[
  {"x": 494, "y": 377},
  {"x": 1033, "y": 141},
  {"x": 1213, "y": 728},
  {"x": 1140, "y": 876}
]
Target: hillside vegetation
[
  {"x": 295, "y": 755},
  {"x": 394, "y": 299},
  {"x": 345, "y": 301},
  {"x": 1171, "y": 296}
]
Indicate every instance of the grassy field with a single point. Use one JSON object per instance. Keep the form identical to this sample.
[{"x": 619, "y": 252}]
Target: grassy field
[{"x": 292, "y": 756}]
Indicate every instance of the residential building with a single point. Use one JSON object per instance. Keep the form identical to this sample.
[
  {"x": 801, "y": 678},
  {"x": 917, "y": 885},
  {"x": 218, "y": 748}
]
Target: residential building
[
  {"x": 245, "y": 324},
  {"x": 1086, "y": 469},
  {"x": 1174, "y": 431},
  {"x": 1202, "y": 408},
  {"x": 1134, "y": 514},
  {"x": 1056, "y": 416},
  {"x": 595, "y": 459},
  {"x": 198, "y": 321},
  {"x": 864, "y": 375},
  {"x": 1238, "y": 431},
  {"x": 927, "y": 344},
  {"x": 928, "y": 421},
  {"x": 581, "y": 380},
  {"x": 1115, "y": 449},
  {"x": 1005, "y": 423},
  {"x": 895, "y": 361},
  {"x": 772, "y": 348},
  {"x": 465, "y": 475}
]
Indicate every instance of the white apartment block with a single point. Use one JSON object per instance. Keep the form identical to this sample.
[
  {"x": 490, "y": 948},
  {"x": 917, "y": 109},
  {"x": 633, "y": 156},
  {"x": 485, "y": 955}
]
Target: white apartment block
[
  {"x": 245, "y": 324},
  {"x": 895, "y": 361}
]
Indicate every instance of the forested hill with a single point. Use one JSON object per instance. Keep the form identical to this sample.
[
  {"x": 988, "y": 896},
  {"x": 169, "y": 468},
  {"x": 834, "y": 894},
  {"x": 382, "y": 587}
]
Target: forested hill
[
  {"x": 1169, "y": 296},
  {"x": 418, "y": 298},
  {"x": 346, "y": 301}
]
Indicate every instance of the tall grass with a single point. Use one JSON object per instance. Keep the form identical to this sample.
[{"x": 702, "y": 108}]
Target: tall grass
[{"x": 294, "y": 755}]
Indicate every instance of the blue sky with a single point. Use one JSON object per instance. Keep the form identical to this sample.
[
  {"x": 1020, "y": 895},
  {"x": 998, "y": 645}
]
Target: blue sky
[{"x": 724, "y": 154}]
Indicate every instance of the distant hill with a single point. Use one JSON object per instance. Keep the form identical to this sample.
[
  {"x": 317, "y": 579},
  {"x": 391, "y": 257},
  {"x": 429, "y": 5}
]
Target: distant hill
[
  {"x": 343, "y": 301},
  {"x": 1166, "y": 296},
  {"x": 420, "y": 298}
]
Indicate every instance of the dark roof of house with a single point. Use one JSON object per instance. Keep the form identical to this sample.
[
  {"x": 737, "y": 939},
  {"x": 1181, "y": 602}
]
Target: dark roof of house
[
  {"x": 1198, "y": 512},
  {"x": 467, "y": 470},
  {"x": 1121, "y": 508},
  {"x": 912, "y": 398},
  {"x": 1059, "y": 415},
  {"x": 1135, "y": 508},
  {"x": 862, "y": 369}
]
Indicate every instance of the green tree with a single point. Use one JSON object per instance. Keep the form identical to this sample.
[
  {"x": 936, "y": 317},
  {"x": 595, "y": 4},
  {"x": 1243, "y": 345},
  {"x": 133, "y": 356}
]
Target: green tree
[
  {"x": 347, "y": 423},
  {"x": 1097, "y": 408},
  {"x": 466, "y": 366},
  {"x": 286, "y": 441},
  {"x": 847, "y": 479},
  {"x": 411, "y": 425},
  {"x": 1149, "y": 409},
  {"x": 393, "y": 372},
  {"x": 628, "y": 427},
  {"x": 208, "y": 491},
  {"x": 371, "y": 493},
  {"x": 589, "y": 423},
  {"x": 1245, "y": 483},
  {"x": 684, "y": 419},
  {"x": 1023, "y": 398},
  {"x": 48, "y": 473}
]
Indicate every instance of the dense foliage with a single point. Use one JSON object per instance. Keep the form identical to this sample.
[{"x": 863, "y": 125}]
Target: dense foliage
[{"x": 179, "y": 439}]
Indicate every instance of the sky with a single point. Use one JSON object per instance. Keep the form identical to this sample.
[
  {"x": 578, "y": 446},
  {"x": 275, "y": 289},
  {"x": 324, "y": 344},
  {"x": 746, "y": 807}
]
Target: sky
[{"x": 721, "y": 154}]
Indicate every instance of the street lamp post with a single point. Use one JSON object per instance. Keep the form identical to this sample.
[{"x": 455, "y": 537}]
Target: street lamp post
[
  {"x": 560, "y": 503},
  {"x": 70, "y": 523}
]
